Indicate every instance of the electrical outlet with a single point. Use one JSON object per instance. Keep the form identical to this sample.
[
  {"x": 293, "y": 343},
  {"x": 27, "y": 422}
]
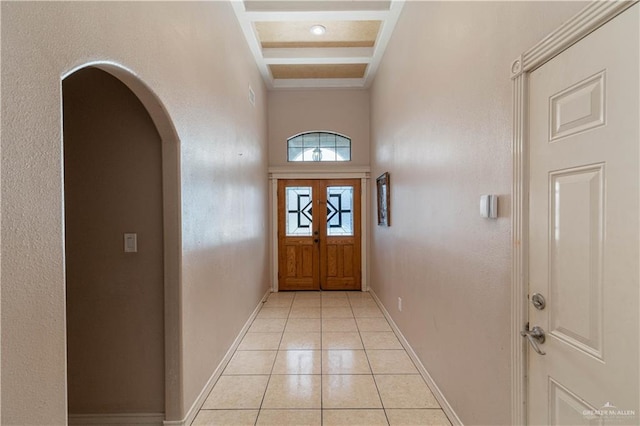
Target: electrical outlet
[{"x": 400, "y": 304}]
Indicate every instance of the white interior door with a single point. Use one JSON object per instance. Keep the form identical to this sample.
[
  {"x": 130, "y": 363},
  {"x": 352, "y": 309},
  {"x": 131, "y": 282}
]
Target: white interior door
[{"x": 584, "y": 230}]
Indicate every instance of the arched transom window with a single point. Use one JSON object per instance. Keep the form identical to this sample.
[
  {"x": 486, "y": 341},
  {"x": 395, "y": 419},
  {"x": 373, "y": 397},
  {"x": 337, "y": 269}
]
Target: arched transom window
[{"x": 319, "y": 146}]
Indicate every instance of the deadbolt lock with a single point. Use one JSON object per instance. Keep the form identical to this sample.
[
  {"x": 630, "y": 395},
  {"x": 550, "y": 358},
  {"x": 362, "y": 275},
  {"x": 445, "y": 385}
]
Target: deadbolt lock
[{"x": 538, "y": 301}]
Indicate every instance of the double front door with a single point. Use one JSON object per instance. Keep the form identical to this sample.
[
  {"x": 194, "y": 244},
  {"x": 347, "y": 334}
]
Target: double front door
[{"x": 319, "y": 234}]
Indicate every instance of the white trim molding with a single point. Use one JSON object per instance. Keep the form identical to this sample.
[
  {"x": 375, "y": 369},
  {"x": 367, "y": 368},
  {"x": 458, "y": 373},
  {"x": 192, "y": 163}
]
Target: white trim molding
[
  {"x": 117, "y": 419},
  {"x": 583, "y": 23},
  {"x": 327, "y": 172},
  {"x": 444, "y": 403},
  {"x": 324, "y": 172}
]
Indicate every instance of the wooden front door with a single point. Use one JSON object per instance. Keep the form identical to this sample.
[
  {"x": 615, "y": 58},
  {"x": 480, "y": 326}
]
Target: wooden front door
[{"x": 319, "y": 243}]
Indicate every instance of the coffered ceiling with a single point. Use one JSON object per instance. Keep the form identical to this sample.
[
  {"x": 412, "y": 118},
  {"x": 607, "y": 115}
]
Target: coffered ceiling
[{"x": 324, "y": 43}]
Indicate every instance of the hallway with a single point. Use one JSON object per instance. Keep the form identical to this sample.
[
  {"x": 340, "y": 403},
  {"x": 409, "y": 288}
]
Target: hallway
[
  {"x": 436, "y": 105},
  {"x": 312, "y": 358}
]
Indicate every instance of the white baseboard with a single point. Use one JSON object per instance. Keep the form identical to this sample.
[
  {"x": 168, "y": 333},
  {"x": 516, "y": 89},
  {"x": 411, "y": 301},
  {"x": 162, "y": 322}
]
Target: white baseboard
[
  {"x": 117, "y": 419},
  {"x": 446, "y": 407},
  {"x": 199, "y": 402}
]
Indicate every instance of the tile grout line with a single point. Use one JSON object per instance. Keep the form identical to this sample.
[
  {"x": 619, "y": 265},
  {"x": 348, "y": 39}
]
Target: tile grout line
[
  {"x": 321, "y": 366},
  {"x": 375, "y": 383},
  {"x": 264, "y": 395},
  {"x": 322, "y": 349}
]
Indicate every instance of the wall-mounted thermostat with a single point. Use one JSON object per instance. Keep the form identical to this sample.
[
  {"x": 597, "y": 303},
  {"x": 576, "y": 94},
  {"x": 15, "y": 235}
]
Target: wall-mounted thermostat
[
  {"x": 130, "y": 243},
  {"x": 489, "y": 206}
]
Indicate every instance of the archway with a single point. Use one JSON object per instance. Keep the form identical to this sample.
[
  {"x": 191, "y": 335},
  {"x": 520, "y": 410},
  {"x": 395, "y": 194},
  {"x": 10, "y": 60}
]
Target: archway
[{"x": 121, "y": 177}]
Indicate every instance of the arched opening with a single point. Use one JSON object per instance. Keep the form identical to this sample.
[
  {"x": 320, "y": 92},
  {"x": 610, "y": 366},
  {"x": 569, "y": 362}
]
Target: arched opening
[{"x": 122, "y": 248}]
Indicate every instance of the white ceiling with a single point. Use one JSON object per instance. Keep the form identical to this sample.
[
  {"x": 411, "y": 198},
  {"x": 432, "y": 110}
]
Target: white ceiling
[{"x": 296, "y": 64}]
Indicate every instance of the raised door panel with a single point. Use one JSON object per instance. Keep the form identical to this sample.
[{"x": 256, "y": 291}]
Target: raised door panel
[
  {"x": 342, "y": 267},
  {"x": 575, "y": 257},
  {"x": 297, "y": 266},
  {"x": 568, "y": 409},
  {"x": 332, "y": 260},
  {"x": 299, "y": 261}
]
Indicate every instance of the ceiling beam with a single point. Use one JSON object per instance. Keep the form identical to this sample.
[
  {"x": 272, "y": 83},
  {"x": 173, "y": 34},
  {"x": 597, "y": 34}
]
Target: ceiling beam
[
  {"x": 319, "y": 55},
  {"x": 366, "y": 15},
  {"x": 383, "y": 39},
  {"x": 247, "y": 29},
  {"x": 324, "y": 83},
  {"x": 314, "y": 5}
]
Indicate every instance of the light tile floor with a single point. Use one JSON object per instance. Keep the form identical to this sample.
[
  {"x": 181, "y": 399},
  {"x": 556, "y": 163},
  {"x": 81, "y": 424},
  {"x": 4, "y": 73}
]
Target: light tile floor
[{"x": 320, "y": 358}]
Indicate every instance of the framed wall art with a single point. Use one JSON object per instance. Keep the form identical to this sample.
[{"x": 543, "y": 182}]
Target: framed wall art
[{"x": 383, "y": 199}]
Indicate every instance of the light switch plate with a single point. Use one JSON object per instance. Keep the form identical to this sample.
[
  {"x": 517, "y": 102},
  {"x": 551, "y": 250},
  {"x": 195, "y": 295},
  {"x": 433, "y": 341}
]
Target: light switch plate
[{"x": 130, "y": 243}]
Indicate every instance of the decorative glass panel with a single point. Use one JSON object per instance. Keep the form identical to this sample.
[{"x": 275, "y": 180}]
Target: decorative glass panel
[
  {"x": 299, "y": 210},
  {"x": 319, "y": 146},
  {"x": 339, "y": 210}
]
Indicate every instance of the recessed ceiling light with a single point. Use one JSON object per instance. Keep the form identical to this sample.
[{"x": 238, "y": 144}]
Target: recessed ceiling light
[{"x": 318, "y": 30}]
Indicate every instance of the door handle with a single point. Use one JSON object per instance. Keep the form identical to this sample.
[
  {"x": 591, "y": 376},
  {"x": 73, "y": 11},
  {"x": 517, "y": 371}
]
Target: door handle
[
  {"x": 316, "y": 240},
  {"x": 535, "y": 335}
]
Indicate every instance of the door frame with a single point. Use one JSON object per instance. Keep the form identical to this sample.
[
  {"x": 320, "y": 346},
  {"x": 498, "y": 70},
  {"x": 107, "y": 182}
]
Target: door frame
[
  {"x": 362, "y": 173},
  {"x": 174, "y": 409},
  {"x": 592, "y": 17}
]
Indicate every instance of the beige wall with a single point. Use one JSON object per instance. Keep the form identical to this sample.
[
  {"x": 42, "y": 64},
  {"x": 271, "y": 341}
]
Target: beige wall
[
  {"x": 193, "y": 57},
  {"x": 441, "y": 125},
  {"x": 295, "y": 111},
  {"x": 115, "y": 300}
]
